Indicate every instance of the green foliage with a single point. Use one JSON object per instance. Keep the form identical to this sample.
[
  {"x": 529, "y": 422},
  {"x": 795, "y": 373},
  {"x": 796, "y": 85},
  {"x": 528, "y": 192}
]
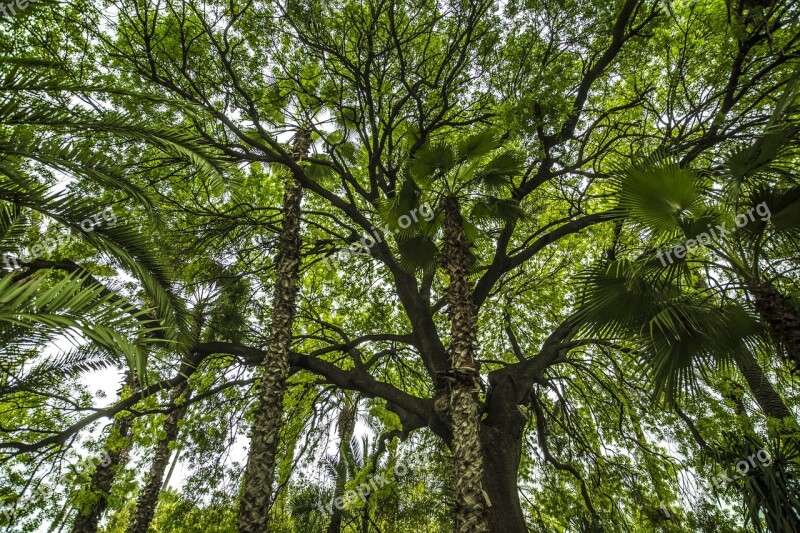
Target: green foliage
[{"x": 538, "y": 118}]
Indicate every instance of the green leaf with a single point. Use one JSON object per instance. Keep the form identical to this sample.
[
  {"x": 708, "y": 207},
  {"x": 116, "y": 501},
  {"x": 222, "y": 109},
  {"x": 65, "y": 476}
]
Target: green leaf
[
  {"x": 496, "y": 210},
  {"x": 658, "y": 192},
  {"x": 417, "y": 254},
  {"x": 477, "y": 145},
  {"x": 500, "y": 170},
  {"x": 432, "y": 161}
]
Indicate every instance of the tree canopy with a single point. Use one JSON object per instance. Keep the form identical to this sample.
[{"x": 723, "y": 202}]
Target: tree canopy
[{"x": 400, "y": 265}]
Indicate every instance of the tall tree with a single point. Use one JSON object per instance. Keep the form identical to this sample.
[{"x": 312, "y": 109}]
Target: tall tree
[
  {"x": 154, "y": 481},
  {"x": 345, "y": 427},
  {"x": 93, "y": 499},
  {"x": 581, "y": 88},
  {"x": 257, "y": 492}
]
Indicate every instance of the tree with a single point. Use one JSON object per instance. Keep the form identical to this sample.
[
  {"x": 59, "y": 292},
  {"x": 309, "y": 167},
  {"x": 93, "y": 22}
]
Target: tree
[
  {"x": 257, "y": 493},
  {"x": 566, "y": 429}
]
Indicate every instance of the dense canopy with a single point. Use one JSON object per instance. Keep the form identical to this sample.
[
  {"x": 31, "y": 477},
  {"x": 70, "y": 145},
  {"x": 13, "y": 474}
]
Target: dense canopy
[{"x": 389, "y": 266}]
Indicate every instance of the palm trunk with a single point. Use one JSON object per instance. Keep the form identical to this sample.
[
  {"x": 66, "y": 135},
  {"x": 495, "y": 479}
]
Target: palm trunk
[
  {"x": 260, "y": 470},
  {"x": 347, "y": 426},
  {"x": 102, "y": 480},
  {"x": 365, "y": 516},
  {"x": 461, "y": 381},
  {"x": 148, "y": 499},
  {"x": 778, "y": 311},
  {"x": 763, "y": 392}
]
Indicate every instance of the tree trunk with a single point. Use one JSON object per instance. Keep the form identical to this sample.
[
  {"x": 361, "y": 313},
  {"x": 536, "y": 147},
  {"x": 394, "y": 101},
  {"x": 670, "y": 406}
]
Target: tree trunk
[
  {"x": 260, "y": 470},
  {"x": 148, "y": 499},
  {"x": 778, "y": 311},
  {"x": 501, "y": 434},
  {"x": 347, "y": 426},
  {"x": 102, "y": 480},
  {"x": 461, "y": 382},
  {"x": 766, "y": 396},
  {"x": 502, "y": 451}
]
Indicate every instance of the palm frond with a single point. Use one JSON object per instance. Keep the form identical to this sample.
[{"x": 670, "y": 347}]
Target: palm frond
[
  {"x": 500, "y": 170},
  {"x": 72, "y": 308},
  {"x": 122, "y": 241},
  {"x": 418, "y": 254},
  {"x": 657, "y": 193},
  {"x": 477, "y": 145},
  {"x": 432, "y": 161},
  {"x": 676, "y": 331},
  {"x": 496, "y": 210},
  {"x": 775, "y": 207},
  {"x": 53, "y": 369}
]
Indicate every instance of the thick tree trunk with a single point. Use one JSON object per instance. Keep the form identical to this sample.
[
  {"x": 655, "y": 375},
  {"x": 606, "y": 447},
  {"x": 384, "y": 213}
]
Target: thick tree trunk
[
  {"x": 766, "y": 396},
  {"x": 461, "y": 381},
  {"x": 346, "y": 428},
  {"x": 782, "y": 317},
  {"x": 502, "y": 451},
  {"x": 260, "y": 470},
  {"x": 102, "y": 480},
  {"x": 148, "y": 499}
]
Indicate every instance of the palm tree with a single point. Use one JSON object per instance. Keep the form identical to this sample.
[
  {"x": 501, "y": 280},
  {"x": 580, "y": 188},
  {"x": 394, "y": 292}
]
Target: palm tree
[
  {"x": 148, "y": 498},
  {"x": 346, "y": 426},
  {"x": 118, "y": 447},
  {"x": 738, "y": 223},
  {"x": 720, "y": 234},
  {"x": 40, "y": 140},
  {"x": 683, "y": 307},
  {"x": 676, "y": 330},
  {"x": 219, "y": 306},
  {"x": 469, "y": 172},
  {"x": 259, "y": 473}
]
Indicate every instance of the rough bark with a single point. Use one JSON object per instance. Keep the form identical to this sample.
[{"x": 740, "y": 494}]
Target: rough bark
[
  {"x": 346, "y": 428},
  {"x": 501, "y": 435},
  {"x": 461, "y": 382},
  {"x": 148, "y": 499},
  {"x": 763, "y": 391},
  {"x": 778, "y": 311},
  {"x": 102, "y": 480},
  {"x": 259, "y": 473}
]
